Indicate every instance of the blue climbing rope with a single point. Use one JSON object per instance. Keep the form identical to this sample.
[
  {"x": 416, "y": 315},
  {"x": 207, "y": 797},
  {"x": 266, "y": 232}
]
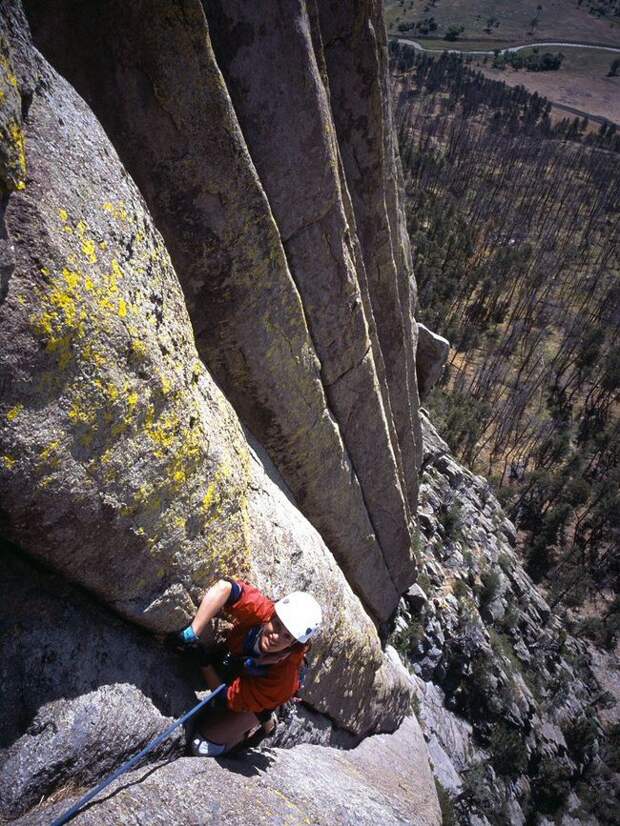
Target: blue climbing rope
[{"x": 133, "y": 761}]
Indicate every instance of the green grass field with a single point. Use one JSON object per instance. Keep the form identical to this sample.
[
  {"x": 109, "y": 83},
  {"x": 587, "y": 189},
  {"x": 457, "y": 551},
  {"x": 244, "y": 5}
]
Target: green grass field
[{"x": 512, "y": 20}]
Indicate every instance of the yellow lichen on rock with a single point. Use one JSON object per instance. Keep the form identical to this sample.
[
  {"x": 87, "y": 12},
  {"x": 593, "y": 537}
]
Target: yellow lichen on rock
[
  {"x": 138, "y": 348},
  {"x": 13, "y": 161},
  {"x": 88, "y": 248},
  {"x": 65, "y": 305},
  {"x": 134, "y": 423},
  {"x": 61, "y": 317},
  {"x": 116, "y": 209},
  {"x": 17, "y": 135},
  {"x": 14, "y": 412}
]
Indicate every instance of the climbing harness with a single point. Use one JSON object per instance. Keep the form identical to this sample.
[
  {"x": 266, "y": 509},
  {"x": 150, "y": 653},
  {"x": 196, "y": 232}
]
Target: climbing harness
[{"x": 133, "y": 761}]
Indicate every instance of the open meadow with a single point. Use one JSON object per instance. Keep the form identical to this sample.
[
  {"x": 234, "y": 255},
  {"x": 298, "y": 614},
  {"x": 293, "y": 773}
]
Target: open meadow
[{"x": 581, "y": 82}]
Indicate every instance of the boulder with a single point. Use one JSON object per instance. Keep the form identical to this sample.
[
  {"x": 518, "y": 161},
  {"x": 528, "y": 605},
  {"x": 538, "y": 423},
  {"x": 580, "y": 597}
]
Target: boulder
[
  {"x": 76, "y": 741},
  {"x": 431, "y": 356},
  {"x": 81, "y": 689},
  {"x": 57, "y": 643},
  {"x": 434, "y": 445},
  {"x": 386, "y": 779},
  {"x": 415, "y": 598},
  {"x": 449, "y": 737}
]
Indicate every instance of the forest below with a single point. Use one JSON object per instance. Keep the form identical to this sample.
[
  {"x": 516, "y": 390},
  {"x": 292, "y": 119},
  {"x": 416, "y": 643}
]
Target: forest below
[{"x": 514, "y": 225}]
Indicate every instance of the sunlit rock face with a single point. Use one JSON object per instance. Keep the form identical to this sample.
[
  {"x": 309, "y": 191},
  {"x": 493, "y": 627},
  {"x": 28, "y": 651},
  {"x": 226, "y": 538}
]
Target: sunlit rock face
[
  {"x": 294, "y": 265},
  {"x": 431, "y": 357},
  {"x": 124, "y": 467},
  {"x": 82, "y": 689},
  {"x": 354, "y": 44},
  {"x": 384, "y": 780}
]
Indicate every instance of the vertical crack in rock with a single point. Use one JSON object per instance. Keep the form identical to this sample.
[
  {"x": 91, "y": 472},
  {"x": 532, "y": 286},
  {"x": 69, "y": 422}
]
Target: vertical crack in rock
[
  {"x": 16, "y": 84},
  {"x": 356, "y": 63},
  {"x": 7, "y": 262},
  {"x": 320, "y": 252},
  {"x": 254, "y": 307}
]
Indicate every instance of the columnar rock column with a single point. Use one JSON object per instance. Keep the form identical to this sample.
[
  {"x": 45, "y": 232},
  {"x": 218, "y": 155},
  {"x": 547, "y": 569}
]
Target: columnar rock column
[
  {"x": 267, "y": 56},
  {"x": 122, "y": 465},
  {"x": 354, "y": 42}
]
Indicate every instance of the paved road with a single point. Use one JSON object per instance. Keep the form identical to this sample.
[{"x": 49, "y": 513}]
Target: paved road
[
  {"x": 580, "y": 113},
  {"x": 422, "y": 48}
]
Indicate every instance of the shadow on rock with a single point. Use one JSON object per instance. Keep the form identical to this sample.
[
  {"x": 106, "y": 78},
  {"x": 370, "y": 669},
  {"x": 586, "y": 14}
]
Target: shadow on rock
[
  {"x": 57, "y": 643},
  {"x": 248, "y": 763},
  {"x": 123, "y": 786}
]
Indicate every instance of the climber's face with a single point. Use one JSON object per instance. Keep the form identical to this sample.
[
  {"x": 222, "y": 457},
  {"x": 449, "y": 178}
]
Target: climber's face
[{"x": 274, "y": 637}]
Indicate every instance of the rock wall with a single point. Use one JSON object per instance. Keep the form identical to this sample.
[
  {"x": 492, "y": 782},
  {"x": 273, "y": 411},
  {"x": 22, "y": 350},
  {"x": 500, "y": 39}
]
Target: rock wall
[
  {"x": 131, "y": 474},
  {"x": 212, "y": 370},
  {"x": 296, "y": 312},
  {"x": 82, "y": 690},
  {"x": 355, "y": 47},
  {"x": 123, "y": 465},
  {"x": 308, "y": 784},
  {"x": 431, "y": 357}
]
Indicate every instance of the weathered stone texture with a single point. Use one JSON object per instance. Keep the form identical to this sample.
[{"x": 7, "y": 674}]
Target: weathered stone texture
[
  {"x": 122, "y": 463},
  {"x": 275, "y": 84},
  {"x": 57, "y": 642},
  {"x": 354, "y": 41},
  {"x": 81, "y": 689},
  {"x": 78, "y": 740},
  {"x": 493, "y": 664},
  {"x": 431, "y": 356},
  {"x": 384, "y": 780}
]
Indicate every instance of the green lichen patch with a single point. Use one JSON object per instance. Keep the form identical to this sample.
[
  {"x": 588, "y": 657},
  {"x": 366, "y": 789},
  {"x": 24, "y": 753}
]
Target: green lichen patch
[{"x": 141, "y": 406}]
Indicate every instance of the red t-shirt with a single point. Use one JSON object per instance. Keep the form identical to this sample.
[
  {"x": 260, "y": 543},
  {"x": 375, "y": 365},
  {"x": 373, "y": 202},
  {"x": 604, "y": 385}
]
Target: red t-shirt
[{"x": 282, "y": 680}]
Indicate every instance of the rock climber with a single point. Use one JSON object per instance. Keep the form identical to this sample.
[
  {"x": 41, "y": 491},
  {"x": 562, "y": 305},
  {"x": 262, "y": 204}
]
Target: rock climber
[{"x": 261, "y": 662}]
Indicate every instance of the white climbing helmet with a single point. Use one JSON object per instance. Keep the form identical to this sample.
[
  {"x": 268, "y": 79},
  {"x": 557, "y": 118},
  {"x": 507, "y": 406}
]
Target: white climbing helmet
[{"x": 300, "y": 614}]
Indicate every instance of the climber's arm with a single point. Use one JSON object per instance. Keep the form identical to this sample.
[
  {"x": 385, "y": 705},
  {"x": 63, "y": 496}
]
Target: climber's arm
[{"x": 212, "y": 603}]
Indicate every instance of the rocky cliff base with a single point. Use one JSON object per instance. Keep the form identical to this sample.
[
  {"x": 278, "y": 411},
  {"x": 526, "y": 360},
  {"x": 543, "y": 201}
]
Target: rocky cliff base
[{"x": 517, "y": 721}]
